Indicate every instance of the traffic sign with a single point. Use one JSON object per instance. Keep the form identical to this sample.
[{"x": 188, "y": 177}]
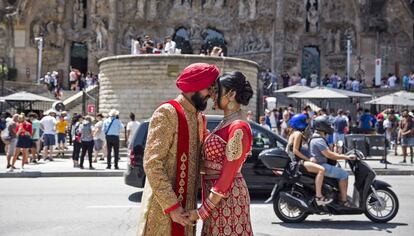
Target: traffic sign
[{"x": 91, "y": 108}]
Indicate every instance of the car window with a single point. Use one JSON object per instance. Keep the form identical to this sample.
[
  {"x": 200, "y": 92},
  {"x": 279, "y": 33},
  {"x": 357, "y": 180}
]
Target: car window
[
  {"x": 261, "y": 139},
  {"x": 211, "y": 124}
]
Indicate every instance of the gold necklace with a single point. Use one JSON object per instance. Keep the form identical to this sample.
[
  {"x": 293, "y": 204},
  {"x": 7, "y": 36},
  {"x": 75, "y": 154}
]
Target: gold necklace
[{"x": 228, "y": 119}]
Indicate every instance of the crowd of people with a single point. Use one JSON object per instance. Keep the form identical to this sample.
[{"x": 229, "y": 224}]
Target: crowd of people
[
  {"x": 396, "y": 126},
  {"x": 146, "y": 45},
  {"x": 79, "y": 81},
  {"x": 48, "y": 137},
  {"x": 273, "y": 82}
]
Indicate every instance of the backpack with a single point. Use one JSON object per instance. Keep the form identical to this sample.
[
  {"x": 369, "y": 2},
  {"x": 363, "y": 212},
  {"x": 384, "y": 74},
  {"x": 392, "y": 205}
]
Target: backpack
[
  {"x": 5, "y": 134},
  {"x": 380, "y": 127}
]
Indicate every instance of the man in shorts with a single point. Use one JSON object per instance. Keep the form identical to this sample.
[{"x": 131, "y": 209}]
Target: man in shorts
[
  {"x": 35, "y": 137},
  {"x": 12, "y": 139},
  {"x": 406, "y": 133},
  {"x": 48, "y": 126},
  {"x": 61, "y": 127},
  {"x": 340, "y": 124}
]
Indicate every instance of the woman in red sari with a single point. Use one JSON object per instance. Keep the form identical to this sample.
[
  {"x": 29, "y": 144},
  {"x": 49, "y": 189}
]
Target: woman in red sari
[{"x": 225, "y": 207}]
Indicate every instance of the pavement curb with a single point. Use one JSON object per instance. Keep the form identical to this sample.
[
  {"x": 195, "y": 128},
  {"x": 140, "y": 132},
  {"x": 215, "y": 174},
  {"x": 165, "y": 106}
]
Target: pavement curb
[{"x": 37, "y": 174}]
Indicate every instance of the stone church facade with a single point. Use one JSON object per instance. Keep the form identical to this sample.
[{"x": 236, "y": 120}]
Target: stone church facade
[{"x": 298, "y": 36}]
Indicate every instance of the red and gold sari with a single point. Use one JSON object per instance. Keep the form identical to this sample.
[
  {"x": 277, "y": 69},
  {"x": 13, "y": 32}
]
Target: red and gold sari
[{"x": 225, "y": 151}]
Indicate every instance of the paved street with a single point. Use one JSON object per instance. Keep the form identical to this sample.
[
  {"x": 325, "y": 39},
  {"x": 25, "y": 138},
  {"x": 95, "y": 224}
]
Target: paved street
[{"x": 105, "y": 206}]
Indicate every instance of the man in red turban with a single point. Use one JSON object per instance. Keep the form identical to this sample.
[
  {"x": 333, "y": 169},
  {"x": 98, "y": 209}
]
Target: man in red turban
[{"x": 172, "y": 155}]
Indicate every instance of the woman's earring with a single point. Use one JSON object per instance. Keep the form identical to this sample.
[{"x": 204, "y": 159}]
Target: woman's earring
[{"x": 231, "y": 105}]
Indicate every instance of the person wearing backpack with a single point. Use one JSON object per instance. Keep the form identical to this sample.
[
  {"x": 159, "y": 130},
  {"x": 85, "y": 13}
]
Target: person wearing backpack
[
  {"x": 86, "y": 141},
  {"x": 298, "y": 124},
  {"x": 76, "y": 135}
]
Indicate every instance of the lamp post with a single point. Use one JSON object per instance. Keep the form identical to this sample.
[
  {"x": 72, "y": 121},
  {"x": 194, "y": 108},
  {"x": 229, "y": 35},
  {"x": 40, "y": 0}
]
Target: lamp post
[
  {"x": 3, "y": 77},
  {"x": 39, "y": 41},
  {"x": 348, "y": 56}
]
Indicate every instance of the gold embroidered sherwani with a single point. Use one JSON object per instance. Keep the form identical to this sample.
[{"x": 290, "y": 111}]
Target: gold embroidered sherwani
[{"x": 160, "y": 160}]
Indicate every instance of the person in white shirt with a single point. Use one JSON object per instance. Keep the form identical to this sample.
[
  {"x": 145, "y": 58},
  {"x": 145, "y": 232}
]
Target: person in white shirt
[
  {"x": 303, "y": 81},
  {"x": 355, "y": 85},
  {"x": 391, "y": 80},
  {"x": 132, "y": 128},
  {"x": 48, "y": 126},
  {"x": 99, "y": 138},
  {"x": 170, "y": 45}
]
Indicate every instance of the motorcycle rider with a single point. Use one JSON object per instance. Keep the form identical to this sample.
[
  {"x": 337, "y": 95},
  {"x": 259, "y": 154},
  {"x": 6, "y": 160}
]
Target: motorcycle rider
[
  {"x": 298, "y": 123},
  {"x": 319, "y": 150}
]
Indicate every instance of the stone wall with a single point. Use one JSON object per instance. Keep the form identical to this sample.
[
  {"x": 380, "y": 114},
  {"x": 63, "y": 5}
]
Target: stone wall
[{"x": 141, "y": 83}]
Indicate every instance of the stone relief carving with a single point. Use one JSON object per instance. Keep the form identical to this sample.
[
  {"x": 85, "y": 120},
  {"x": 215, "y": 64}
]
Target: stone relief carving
[
  {"x": 78, "y": 15},
  {"x": 51, "y": 36},
  {"x": 312, "y": 16},
  {"x": 313, "y": 19},
  {"x": 338, "y": 41},
  {"x": 60, "y": 41},
  {"x": 293, "y": 15},
  {"x": 128, "y": 35},
  {"x": 101, "y": 33},
  {"x": 60, "y": 9},
  {"x": 247, "y": 9}
]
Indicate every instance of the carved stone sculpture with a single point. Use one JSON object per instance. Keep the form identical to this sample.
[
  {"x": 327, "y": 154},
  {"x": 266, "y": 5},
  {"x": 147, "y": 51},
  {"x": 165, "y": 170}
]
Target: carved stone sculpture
[
  {"x": 60, "y": 41},
  {"x": 338, "y": 41},
  {"x": 78, "y": 15},
  {"x": 247, "y": 9},
  {"x": 50, "y": 37},
  {"x": 101, "y": 34},
  {"x": 313, "y": 19},
  {"x": 330, "y": 41}
]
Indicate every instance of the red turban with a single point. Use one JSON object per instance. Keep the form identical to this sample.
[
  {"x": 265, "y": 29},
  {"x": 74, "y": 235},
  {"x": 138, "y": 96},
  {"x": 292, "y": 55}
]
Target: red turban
[{"x": 196, "y": 77}]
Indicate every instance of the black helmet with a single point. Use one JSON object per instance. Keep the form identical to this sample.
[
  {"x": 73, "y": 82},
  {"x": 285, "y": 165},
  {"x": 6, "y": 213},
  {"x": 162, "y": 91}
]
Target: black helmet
[{"x": 322, "y": 123}]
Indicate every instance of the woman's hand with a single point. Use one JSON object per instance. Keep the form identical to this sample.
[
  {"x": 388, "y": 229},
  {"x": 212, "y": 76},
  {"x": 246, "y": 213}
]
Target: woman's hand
[{"x": 193, "y": 215}]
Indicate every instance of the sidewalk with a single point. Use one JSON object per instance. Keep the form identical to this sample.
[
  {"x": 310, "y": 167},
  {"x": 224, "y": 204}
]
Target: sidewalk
[{"x": 63, "y": 167}]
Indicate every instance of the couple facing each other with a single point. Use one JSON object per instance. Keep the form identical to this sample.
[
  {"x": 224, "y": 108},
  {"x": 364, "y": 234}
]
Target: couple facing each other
[{"x": 179, "y": 148}]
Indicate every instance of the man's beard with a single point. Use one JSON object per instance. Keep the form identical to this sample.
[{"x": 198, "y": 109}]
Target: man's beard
[{"x": 199, "y": 102}]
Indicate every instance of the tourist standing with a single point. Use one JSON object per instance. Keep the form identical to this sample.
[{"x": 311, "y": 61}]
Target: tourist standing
[
  {"x": 24, "y": 141},
  {"x": 48, "y": 126},
  {"x": 86, "y": 141},
  {"x": 76, "y": 134},
  {"x": 61, "y": 127},
  {"x": 33, "y": 117},
  {"x": 112, "y": 128},
  {"x": 132, "y": 127},
  {"x": 10, "y": 139},
  {"x": 406, "y": 134},
  {"x": 170, "y": 45},
  {"x": 99, "y": 138}
]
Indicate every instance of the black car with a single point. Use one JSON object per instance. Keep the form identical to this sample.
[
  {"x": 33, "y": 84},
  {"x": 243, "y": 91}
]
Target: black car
[{"x": 257, "y": 176}]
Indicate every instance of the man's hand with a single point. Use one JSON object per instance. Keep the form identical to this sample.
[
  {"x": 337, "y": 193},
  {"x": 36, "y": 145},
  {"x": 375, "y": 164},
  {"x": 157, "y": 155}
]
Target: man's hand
[
  {"x": 180, "y": 216},
  {"x": 193, "y": 215},
  {"x": 351, "y": 157},
  {"x": 313, "y": 159}
]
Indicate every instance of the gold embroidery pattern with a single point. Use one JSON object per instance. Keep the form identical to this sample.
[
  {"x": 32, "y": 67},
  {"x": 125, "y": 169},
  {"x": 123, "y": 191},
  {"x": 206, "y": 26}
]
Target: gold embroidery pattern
[
  {"x": 234, "y": 148},
  {"x": 182, "y": 176}
]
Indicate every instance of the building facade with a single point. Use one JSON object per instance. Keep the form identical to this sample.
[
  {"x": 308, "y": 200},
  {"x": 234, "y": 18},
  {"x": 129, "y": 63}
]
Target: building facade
[{"x": 298, "y": 36}]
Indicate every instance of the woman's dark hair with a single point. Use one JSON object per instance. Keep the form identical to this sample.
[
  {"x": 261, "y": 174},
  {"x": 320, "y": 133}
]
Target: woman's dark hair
[{"x": 237, "y": 82}]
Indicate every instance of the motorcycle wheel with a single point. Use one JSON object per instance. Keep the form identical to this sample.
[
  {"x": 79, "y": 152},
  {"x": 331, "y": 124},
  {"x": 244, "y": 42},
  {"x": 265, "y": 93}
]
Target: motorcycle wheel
[
  {"x": 286, "y": 212},
  {"x": 383, "y": 209}
]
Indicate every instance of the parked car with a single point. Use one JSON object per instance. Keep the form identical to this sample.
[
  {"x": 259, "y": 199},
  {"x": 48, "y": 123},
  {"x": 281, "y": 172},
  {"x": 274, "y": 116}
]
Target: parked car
[{"x": 257, "y": 176}]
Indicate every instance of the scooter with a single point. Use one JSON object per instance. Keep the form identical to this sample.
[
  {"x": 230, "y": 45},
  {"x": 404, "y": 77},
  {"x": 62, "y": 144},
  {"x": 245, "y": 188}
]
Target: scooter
[{"x": 293, "y": 197}]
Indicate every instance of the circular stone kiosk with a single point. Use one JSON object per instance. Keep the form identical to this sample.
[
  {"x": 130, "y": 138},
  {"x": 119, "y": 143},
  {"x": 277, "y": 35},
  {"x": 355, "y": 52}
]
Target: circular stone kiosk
[{"x": 140, "y": 83}]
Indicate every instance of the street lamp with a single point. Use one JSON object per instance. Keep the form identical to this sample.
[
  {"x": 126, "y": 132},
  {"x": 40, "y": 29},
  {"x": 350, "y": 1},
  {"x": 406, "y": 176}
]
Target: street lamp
[
  {"x": 3, "y": 77},
  {"x": 348, "y": 56},
  {"x": 39, "y": 41}
]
